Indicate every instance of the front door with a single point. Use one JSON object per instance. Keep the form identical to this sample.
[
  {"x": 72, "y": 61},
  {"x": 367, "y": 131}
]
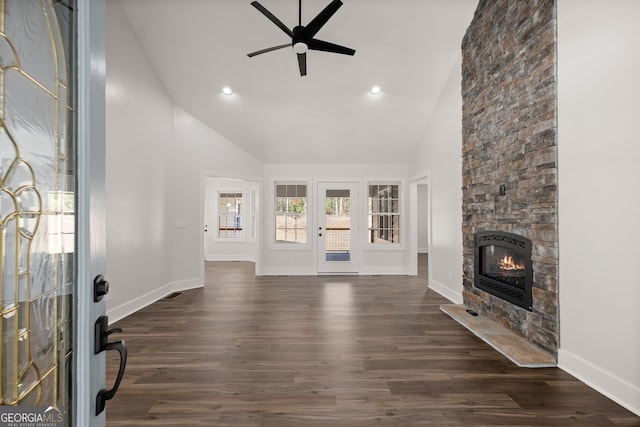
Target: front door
[
  {"x": 51, "y": 209},
  {"x": 337, "y": 207}
]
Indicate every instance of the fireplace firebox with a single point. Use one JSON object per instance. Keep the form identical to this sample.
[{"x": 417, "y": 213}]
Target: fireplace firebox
[{"x": 503, "y": 266}]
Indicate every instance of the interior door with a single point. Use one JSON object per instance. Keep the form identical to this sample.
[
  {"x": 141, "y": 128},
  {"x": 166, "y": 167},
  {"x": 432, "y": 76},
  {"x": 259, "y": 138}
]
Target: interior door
[
  {"x": 52, "y": 208},
  {"x": 337, "y": 209}
]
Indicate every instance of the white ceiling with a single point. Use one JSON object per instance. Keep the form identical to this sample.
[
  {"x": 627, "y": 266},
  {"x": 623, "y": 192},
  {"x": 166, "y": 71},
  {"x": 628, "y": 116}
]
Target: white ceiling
[{"x": 408, "y": 47}]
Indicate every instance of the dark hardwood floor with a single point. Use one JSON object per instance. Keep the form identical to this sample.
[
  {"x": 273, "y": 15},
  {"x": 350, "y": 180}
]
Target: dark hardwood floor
[{"x": 330, "y": 351}]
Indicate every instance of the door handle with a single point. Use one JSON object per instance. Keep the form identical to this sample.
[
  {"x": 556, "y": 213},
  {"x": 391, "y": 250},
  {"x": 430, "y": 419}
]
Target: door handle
[{"x": 102, "y": 344}]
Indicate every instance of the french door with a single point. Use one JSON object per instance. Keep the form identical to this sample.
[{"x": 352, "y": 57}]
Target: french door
[
  {"x": 337, "y": 213},
  {"x": 52, "y": 210}
]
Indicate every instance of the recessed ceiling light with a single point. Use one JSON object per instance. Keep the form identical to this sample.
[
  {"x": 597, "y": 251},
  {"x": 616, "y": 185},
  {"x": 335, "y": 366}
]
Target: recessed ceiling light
[
  {"x": 375, "y": 90},
  {"x": 227, "y": 90}
]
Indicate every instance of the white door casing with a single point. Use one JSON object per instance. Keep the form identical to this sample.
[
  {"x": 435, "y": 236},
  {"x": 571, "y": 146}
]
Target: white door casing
[{"x": 337, "y": 214}]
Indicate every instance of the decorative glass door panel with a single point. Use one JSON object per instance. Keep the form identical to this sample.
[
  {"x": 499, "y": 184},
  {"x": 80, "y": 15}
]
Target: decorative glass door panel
[
  {"x": 337, "y": 222},
  {"x": 37, "y": 202}
]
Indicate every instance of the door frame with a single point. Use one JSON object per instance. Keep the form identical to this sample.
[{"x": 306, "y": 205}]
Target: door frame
[
  {"x": 88, "y": 368},
  {"x": 337, "y": 267},
  {"x": 245, "y": 180},
  {"x": 420, "y": 180}
]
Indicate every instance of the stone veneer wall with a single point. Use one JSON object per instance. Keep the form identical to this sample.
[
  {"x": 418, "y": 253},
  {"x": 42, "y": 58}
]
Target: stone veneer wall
[{"x": 509, "y": 137}]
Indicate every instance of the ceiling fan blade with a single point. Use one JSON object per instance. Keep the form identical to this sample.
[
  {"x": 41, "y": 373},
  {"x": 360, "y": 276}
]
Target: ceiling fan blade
[
  {"x": 269, "y": 49},
  {"x": 316, "y": 23},
  {"x": 272, "y": 18},
  {"x": 302, "y": 63},
  {"x": 315, "y": 44}
]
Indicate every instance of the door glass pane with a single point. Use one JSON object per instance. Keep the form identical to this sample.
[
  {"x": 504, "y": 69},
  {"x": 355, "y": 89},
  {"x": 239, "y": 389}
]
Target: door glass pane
[
  {"x": 337, "y": 225},
  {"x": 230, "y": 212},
  {"x": 37, "y": 201}
]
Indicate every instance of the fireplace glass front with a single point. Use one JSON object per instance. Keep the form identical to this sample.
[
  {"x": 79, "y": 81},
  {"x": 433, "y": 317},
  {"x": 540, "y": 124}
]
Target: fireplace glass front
[{"x": 503, "y": 266}]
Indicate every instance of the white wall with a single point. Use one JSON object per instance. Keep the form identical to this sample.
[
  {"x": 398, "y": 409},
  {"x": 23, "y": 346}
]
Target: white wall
[
  {"x": 440, "y": 158},
  {"x": 376, "y": 260},
  {"x": 197, "y": 152},
  {"x": 599, "y": 176},
  {"x": 139, "y": 117},
  {"x": 157, "y": 159}
]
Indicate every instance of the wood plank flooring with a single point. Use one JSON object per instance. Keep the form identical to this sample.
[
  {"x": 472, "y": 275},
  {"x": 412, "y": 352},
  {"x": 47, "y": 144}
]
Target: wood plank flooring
[{"x": 330, "y": 351}]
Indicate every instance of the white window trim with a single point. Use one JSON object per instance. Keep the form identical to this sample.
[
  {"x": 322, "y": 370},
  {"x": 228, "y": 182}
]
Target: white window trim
[
  {"x": 252, "y": 232},
  {"x": 402, "y": 209},
  {"x": 289, "y": 246}
]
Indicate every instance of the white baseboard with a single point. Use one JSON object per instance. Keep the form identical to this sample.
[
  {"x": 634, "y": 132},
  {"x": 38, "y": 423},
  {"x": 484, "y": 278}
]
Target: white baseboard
[
  {"x": 423, "y": 250},
  {"x": 124, "y": 310},
  {"x": 288, "y": 271},
  {"x": 384, "y": 271},
  {"x": 615, "y": 388},
  {"x": 448, "y": 293},
  {"x": 305, "y": 271},
  {"x": 234, "y": 257}
]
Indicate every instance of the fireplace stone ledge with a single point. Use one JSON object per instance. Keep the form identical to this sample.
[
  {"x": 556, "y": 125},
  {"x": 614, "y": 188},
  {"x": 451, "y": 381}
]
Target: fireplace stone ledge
[{"x": 514, "y": 347}]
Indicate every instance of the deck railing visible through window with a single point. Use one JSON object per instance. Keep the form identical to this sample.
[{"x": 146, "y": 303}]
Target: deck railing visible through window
[{"x": 338, "y": 239}]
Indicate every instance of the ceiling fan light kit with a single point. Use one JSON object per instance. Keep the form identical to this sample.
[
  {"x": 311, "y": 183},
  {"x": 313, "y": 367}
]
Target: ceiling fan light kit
[
  {"x": 300, "y": 47},
  {"x": 303, "y": 37}
]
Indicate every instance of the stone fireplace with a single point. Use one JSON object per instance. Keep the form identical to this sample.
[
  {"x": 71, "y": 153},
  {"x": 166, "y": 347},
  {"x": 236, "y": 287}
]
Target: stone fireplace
[{"x": 509, "y": 166}]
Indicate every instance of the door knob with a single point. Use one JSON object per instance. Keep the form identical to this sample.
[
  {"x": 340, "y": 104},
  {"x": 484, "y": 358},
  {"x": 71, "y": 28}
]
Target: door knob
[{"x": 100, "y": 288}]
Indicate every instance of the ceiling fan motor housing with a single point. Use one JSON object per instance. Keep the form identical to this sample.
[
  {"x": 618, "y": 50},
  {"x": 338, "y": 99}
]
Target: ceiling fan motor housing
[{"x": 300, "y": 40}]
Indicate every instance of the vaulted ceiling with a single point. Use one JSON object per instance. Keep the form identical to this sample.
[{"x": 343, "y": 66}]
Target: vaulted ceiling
[{"x": 407, "y": 47}]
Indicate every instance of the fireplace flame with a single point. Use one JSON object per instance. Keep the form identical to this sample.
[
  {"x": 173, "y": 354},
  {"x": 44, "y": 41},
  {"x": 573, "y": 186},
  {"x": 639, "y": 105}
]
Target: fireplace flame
[{"x": 507, "y": 263}]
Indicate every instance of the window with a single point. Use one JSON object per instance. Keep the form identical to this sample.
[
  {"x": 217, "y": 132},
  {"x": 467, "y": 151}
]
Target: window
[
  {"x": 291, "y": 213},
  {"x": 230, "y": 216},
  {"x": 384, "y": 213}
]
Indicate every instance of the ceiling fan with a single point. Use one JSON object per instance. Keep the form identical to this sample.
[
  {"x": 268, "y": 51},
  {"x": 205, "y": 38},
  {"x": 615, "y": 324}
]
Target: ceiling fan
[{"x": 302, "y": 37}]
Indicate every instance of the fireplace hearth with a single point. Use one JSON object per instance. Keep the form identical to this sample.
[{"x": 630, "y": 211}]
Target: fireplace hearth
[{"x": 503, "y": 266}]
